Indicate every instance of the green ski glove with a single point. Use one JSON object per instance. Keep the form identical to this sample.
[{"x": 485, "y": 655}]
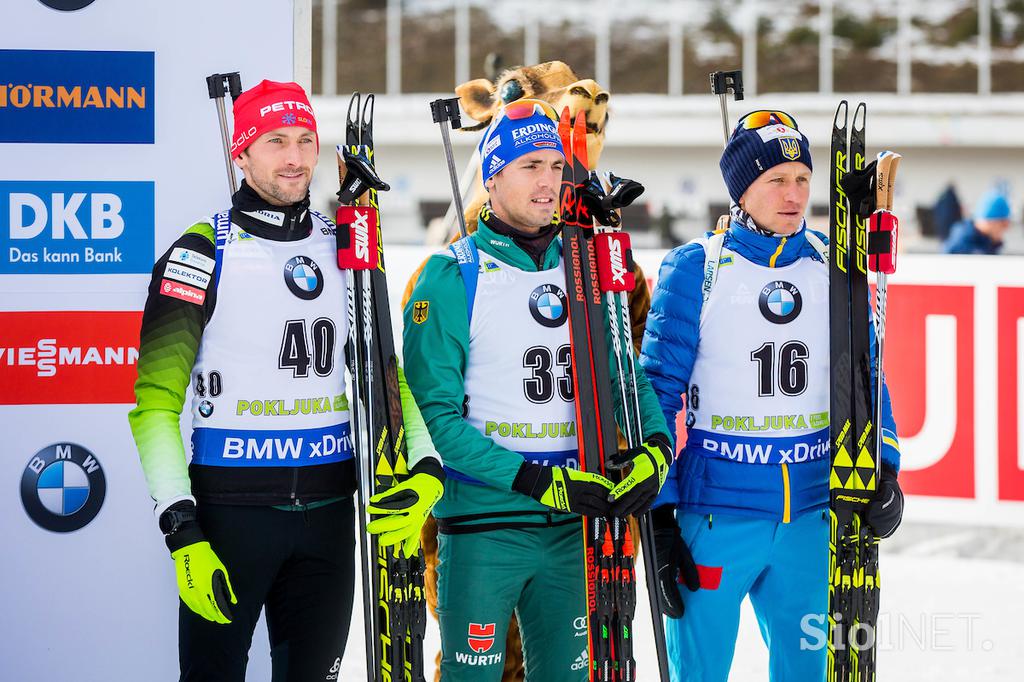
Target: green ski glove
[
  {"x": 402, "y": 510},
  {"x": 648, "y": 468},
  {"x": 203, "y": 582},
  {"x": 564, "y": 489}
]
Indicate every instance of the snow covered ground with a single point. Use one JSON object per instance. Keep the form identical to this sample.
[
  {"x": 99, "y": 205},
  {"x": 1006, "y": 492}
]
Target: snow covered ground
[{"x": 950, "y": 603}]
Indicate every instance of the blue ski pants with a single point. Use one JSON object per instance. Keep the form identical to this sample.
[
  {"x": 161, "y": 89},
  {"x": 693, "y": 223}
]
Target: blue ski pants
[{"x": 782, "y": 567}]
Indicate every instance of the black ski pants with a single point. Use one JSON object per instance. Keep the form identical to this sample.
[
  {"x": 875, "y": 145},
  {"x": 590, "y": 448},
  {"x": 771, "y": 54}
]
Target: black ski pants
[{"x": 300, "y": 566}]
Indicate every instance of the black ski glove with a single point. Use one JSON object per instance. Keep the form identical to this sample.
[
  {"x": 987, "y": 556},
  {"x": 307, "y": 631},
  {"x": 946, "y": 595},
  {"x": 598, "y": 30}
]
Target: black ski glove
[
  {"x": 885, "y": 510},
  {"x": 564, "y": 489},
  {"x": 674, "y": 560}
]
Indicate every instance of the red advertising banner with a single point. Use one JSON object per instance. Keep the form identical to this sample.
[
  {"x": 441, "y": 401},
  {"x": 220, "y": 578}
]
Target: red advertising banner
[
  {"x": 933, "y": 401},
  {"x": 1010, "y": 380},
  {"x": 74, "y": 357}
]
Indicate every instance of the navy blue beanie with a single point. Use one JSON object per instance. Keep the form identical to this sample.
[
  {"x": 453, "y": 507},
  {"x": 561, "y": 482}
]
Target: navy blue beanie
[{"x": 751, "y": 152}]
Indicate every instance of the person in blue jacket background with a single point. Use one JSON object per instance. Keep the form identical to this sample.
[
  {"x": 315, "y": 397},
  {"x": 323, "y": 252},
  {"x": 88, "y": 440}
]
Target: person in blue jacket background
[
  {"x": 739, "y": 326},
  {"x": 983, "y": 234}
]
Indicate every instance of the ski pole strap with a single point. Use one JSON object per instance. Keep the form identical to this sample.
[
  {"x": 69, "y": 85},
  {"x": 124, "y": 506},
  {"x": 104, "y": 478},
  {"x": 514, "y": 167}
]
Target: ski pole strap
[
  {"x": 614, "y": 262},
  {"x": 468, "y": 258},
  {"x": 356, "y": 237},
  {"x": 466, "y": 524},
  {"x": 883, "y": 228},
  {"x": 712, "y": 254},
  {"x": 221, "y": 227}
]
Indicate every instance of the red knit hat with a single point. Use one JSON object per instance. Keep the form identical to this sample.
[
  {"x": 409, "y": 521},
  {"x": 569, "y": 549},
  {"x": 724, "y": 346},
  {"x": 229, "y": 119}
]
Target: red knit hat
[{"x": 268, "y": 106}]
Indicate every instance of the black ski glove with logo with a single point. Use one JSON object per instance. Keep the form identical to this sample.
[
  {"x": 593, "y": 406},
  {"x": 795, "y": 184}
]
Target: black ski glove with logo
[
  {"x": 673, "y": 560},
  {"x": 885, "y": 510}
]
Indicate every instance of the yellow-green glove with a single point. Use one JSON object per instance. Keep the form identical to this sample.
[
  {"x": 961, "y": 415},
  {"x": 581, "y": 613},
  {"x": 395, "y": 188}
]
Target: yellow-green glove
[
  {"x": 647, "y": 469},
  {"x": 564, "y": 489},
  {"x": 401, "y": 511},
  {"x": 203, "y": 582}
]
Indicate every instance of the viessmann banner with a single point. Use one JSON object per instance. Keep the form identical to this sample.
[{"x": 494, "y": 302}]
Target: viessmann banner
[{"x": 110, "y": 149}]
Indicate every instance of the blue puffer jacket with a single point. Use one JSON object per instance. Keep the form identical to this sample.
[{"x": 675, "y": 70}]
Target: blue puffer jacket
[{"x": 699, "y": 481}]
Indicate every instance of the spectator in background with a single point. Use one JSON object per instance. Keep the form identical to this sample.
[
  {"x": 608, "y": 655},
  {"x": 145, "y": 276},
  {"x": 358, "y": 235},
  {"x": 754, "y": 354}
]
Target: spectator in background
[{"x": 984, "y": 233}]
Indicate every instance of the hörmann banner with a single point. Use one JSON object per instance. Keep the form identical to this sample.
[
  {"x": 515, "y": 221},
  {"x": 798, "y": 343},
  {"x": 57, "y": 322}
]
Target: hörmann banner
[{"x": 74, "y": 96}]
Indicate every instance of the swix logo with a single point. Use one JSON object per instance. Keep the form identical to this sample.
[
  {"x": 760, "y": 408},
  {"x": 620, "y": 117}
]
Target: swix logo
[
  {"x": 617, "y": 261},
  {"x": 481, "y": 637},
  {"x": 242, "y": 138},
  {"x": 361, "y": 235},
  {"x": 68, "y": 357}
]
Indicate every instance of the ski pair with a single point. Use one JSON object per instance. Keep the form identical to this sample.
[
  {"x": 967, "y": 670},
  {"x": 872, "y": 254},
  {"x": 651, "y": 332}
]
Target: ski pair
[
  {"x": 862, "y": 236},
  {"x": 598, "y": 270},
  {"x": 394, "y": 605}
]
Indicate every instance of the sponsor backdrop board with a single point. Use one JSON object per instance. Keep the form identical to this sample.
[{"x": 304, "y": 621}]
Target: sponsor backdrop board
[{"x": 110, "y": 149}]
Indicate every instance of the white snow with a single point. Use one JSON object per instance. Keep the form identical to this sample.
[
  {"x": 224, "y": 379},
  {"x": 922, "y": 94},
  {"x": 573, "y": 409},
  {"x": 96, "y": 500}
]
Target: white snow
[{"x": 950, "y": 602}]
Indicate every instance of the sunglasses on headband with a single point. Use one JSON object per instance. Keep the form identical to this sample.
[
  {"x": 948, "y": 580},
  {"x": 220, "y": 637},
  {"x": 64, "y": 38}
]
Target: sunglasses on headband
[
  {"x": 759, "y": 119},
  {"x": 525, "y": 108}
]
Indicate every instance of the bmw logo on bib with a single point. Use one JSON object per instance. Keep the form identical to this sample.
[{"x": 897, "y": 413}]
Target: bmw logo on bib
[
  {"x": 547, "y": 305},
  {"x": 303, "y": 277},
  {"x": 780, "y": 302},
  {"x": 62, "y": 487}
]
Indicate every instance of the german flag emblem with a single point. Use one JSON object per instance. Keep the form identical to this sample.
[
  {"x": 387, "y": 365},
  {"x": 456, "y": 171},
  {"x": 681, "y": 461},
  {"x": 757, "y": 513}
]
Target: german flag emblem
[{"x": 420, "y": 309}]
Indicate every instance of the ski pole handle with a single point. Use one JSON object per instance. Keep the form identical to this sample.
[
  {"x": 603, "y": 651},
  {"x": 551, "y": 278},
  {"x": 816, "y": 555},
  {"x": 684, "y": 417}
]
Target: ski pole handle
[
  {"x": 217, "y": 85},
  {"x": 883, "y": 229},
  {"x": 722, "y": 83},
  {"x": 445, "y": 112}
]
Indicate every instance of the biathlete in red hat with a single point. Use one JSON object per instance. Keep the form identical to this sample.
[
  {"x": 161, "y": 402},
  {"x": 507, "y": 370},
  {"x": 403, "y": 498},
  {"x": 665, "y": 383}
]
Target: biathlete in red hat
[{"x": 248, "y": 308}]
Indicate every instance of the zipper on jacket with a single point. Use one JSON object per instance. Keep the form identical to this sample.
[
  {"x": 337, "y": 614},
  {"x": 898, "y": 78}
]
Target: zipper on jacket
[{"x": 785, "y": 493}]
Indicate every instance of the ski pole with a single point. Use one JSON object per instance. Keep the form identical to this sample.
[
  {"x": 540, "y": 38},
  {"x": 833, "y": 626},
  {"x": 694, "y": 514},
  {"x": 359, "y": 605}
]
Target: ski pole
[
  {"x": 722, "y": 83},
  {"x": 217, "y": 85},
  {"x": 883, "y": 230},
  {"x": 446, "y": 111}
]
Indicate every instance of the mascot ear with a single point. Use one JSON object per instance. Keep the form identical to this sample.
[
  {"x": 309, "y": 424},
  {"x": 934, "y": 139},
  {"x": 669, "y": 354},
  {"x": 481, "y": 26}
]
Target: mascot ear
[{"x": 477, "y": 100}]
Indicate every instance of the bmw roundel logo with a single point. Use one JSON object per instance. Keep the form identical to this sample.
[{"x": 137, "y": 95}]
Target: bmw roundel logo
[
  {"x": 303, "y": 277},
  {"x": 67, "y": 5},
  {"x": 62, "y": 487},
  {"x": 547, "y": 305},
  {"x": 780, "y": 302},
  {"x": 206, "y": 408}
]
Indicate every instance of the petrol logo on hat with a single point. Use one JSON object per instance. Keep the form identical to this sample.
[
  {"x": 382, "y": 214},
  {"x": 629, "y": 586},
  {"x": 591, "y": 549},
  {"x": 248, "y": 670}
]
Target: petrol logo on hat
[
  {"x": 780, "y": 302},
  {"x": 62, "y": 487},
  {"x": 481, "y": 637},
  {"x": 790, "y": 148},
  {"x": 303, "y": 277},
  {"x": 547, "y": 305}
]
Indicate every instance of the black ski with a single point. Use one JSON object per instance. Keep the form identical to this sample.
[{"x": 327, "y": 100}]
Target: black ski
[
  {"x": 853, "y": 553},
  {"x": 391, "y": 581}
]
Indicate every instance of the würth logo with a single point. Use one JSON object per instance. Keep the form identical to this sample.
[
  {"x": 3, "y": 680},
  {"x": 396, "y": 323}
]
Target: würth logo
[{"x": 481, "y": 637}]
